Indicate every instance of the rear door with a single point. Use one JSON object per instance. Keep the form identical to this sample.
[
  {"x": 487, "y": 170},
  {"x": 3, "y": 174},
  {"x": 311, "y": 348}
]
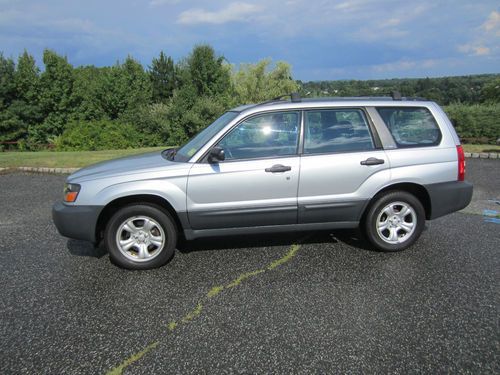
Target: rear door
[
  {"x": 257, "y": 183},
  {"x": 341, "y": 165}
]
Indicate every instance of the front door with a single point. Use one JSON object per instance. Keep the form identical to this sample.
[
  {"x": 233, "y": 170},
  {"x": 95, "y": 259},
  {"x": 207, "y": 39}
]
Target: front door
[{"x": 256, "y": 185}]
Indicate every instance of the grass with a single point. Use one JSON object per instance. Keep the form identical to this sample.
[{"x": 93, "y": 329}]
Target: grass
[
  {"x": 481, "y": 148},
  {"x": 78, "y": 159},
  {"x": 65, "y": 159}
]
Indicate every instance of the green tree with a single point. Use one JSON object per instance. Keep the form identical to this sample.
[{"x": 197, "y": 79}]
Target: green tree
[
  {"x": 11, "y": 127},
  {"x": 491, "y": 92},
  {"x": 87, "y": 93},
  {"x": 126, "y": 89},
  {"x": 7, "y": 83},
  {"x": 255, "y": 83},
  {"x": 207, "y": 72},
  {"x": 27, "y": 78},
  {"x": 27, "y": 105},
  {"x": 56, "y": 84},
  {"x": 163, "y": 78}
]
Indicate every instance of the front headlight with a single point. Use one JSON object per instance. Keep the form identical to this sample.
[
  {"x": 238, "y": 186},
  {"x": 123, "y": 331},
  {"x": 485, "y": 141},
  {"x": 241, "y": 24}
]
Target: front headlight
[{"x": 71, "y": 192}]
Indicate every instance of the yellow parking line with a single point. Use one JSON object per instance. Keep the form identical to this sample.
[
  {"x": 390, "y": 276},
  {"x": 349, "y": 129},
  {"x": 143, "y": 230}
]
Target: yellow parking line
[
  {"x": 193, "y": 314},
  {"x": 133, "y": 358}
]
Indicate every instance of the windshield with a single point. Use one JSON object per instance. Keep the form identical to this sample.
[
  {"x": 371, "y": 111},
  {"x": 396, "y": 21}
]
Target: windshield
[{"x": 199, "y": 140}]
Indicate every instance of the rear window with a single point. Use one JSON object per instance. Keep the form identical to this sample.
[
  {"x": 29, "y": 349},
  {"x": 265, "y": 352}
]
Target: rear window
[{"x": 411, "y": 126}]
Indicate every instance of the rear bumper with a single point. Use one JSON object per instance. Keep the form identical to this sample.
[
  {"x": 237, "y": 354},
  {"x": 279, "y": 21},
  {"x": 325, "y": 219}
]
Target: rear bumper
[
  {"x": 448, "y": 197},
  {"x": 78, "y": 222}
]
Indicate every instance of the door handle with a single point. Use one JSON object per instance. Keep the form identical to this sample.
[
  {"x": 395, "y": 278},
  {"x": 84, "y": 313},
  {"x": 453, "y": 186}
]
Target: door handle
[
  {"x": 372, "y": 161},
  {"x": 279, "y": 168}
]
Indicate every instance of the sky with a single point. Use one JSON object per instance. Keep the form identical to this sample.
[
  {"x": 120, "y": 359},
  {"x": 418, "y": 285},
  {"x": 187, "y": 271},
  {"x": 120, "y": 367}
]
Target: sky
[{"x": 322, "y": 40}]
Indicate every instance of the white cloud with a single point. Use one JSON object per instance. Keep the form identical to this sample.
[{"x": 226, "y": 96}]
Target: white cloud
[
  {"x": 485, "y": 38},
  {"x": 474, "y": 50},
  {"x": 492, "y": 24},
  {"x": 233, "y": 12}
]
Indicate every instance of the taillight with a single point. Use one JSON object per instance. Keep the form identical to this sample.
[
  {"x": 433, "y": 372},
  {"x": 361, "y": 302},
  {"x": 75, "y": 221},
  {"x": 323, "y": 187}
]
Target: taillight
[{"x": 461, "y": 163}]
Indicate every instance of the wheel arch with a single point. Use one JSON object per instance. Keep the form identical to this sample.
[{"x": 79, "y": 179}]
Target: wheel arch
[
  {"x": 112, "y": 207},
  {"x": 419, "y": 191}
]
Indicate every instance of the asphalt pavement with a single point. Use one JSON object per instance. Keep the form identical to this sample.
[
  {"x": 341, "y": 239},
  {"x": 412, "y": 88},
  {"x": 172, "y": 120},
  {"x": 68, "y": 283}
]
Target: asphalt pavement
[{"x": 308, "y": 303}]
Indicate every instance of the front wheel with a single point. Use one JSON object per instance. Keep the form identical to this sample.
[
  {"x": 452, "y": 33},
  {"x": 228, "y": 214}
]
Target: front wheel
[
  {"x": 140, "y": 236},
  {"x": 395, "y": 221}
]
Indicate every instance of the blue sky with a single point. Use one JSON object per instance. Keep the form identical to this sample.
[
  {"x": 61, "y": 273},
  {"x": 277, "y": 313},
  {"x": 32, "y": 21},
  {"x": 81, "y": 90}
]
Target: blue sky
[{"x": 346, "y": 39}]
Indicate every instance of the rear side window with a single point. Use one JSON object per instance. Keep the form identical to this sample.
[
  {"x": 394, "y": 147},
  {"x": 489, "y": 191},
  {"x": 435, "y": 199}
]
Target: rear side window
[
  {"x": 411, "y": 126},
  {"x": 340, "y": 130}
]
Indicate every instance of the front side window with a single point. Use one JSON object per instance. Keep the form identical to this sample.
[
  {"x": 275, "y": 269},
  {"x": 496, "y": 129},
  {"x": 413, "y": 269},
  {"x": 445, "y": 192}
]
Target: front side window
[
  {"x": 339, "y": 130},
  {"x": 263, "y": 136},
  {"x": 411, "y": 126}
]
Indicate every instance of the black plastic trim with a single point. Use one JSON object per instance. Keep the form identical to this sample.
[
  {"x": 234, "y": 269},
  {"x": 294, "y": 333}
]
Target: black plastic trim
[
  {"x": 331, "y": 211},
  {"x": 78, "y": 222},
  {"x": 192, "y": 234},
  {"x": 448, "y": 197},
  {"x": 243, "y": 217}
]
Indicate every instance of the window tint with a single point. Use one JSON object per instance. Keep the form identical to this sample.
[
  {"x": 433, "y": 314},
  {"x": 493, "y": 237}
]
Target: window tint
[
  {"x": 342, "y": 130},
  {"x": 411, "y": 127},
  {"x": 262, "y": 136}
]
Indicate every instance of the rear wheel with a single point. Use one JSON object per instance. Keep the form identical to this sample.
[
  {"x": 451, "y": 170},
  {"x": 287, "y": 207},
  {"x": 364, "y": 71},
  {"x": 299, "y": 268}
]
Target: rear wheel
[
  {"x": 140, "y": 236},
  {"x": 395, "y": 221}
]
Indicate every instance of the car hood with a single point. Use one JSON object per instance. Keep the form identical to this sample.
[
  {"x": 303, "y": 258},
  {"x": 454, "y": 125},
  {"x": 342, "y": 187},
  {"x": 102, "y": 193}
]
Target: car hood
[{"x": 126, "y": 165}]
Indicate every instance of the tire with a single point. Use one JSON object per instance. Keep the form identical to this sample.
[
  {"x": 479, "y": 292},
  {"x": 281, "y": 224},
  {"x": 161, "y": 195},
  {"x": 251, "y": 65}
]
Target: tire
[
  {"x": 394, "y": 221},
  {"x": 140, "y": 236}
]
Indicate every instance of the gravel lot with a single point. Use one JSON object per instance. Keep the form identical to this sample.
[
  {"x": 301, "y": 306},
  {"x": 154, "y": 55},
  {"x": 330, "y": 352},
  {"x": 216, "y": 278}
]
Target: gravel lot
[{"x": 334, "y": 307}]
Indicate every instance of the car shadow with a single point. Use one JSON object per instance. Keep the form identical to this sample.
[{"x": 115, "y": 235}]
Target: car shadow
[
  {"x": 350, "y": 237},
  {"x": 86, "y": 249}
]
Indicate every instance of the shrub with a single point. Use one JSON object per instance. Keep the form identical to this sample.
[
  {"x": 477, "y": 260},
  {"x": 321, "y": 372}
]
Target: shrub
[
  {"x": 99, "y": 135},
  {"x": 479, "y": 123}
]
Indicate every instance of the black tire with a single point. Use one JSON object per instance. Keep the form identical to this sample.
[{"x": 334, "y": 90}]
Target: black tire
[
  {"x": 162, "y": 226},
  {"x": 394, "y": 237}
]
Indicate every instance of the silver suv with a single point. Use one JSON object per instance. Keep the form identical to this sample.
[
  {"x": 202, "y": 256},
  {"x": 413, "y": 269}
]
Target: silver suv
[{"x": 383, "y": 164}]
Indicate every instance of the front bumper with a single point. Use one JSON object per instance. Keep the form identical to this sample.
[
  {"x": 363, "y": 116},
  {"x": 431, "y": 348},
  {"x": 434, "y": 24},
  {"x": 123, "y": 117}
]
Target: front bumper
[
  {"x": 78, "y": 222},
  {"x": 448, "y": 197}
]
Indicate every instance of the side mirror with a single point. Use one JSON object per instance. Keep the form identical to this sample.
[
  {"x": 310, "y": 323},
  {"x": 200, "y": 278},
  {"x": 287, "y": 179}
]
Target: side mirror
[{"x": 216, "y": 154}]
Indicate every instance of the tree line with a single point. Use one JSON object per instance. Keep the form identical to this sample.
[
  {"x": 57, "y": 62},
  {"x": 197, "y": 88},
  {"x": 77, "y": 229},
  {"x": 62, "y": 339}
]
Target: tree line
[
  {"x": 474, "y": 89},
  {"x": 126, "y": 105}
]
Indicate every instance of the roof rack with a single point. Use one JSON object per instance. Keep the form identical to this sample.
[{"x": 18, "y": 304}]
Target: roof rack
[{"x": 296, "y": 98}]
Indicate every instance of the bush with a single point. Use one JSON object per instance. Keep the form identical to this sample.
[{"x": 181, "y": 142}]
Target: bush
[
  {"x": 99, "y": 135},
  {"x": 479, "y": 123}
]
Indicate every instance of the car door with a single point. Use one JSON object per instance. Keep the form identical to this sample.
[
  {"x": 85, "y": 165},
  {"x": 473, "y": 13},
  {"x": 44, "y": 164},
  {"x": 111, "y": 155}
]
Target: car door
[
  {"x": 341, "y": 166},
  {"x": 256, "y": 184}
]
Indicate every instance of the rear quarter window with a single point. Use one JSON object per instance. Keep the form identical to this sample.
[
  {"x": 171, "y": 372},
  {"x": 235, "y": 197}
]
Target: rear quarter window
[{"x": 411, "y": 126}]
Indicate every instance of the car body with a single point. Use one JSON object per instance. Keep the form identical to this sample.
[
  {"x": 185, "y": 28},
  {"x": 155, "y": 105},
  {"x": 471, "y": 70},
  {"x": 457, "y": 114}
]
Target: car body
[{"x": 283, "y": 165}]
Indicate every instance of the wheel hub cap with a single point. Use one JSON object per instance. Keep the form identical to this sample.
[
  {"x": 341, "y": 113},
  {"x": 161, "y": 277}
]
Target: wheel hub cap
[
  {"x": 396, "y": 222},
  {"x": 140, "y": 238}
]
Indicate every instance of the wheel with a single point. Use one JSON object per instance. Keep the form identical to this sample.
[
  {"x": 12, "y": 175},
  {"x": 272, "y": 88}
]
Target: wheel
[
  {"x": 395, "y": 221},
  {"x": 140, "y": 236}
]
